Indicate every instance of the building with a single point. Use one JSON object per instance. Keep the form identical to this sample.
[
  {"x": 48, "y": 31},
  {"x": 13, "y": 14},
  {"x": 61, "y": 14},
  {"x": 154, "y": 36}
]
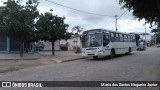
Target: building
[
  {"x": 70, "y": 43},
  {"x": 8, "y": 44},
  {"x": 74, "y": 42},
  {"x": 150, "y": 39},
  {"x": 57, "y": 45},
  {"x": 144, "y": 36}
]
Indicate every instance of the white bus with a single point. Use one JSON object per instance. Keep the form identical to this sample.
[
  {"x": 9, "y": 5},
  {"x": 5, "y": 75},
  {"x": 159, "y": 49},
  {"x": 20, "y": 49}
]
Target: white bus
[{"x": 102, "y": 42}]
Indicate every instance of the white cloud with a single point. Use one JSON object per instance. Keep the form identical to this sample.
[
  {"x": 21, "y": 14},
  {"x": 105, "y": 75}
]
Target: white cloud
[{"x": 89, "y": 21}]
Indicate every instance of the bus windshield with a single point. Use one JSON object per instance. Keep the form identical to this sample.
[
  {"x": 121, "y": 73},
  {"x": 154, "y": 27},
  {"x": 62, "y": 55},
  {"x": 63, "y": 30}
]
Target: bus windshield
[{"x": 92, "y": 40}]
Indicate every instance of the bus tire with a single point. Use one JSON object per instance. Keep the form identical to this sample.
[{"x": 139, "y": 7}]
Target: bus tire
[
  {"x": 129, "y": 51},
  {"x": 112, "y": 54},
  {"x": 95, "y": 57}
]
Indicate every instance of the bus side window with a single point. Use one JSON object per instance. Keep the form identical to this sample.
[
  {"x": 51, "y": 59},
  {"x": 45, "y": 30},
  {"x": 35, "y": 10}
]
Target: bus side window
[
  {"x": 105, "y": 40},
  {"x": 121, "y": 37},
  {"x": 127, "y": 38},
  {"x": 133, "y": 39},
  {"x": 112, "y": 37},
  {"x": 117, "y": 37},
  {"x": 130, "y": 39}
]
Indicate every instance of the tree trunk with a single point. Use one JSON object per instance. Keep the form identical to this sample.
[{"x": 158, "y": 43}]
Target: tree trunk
[
  {"x": 53, "y": 52},
  {"x": 21, "y": 49}
]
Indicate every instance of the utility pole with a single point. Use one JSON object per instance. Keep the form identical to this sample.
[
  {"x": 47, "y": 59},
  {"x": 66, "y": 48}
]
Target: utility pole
[{"x": 116, "y": 22}]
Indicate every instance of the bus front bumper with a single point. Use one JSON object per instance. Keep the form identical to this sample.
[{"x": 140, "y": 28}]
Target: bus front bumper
[{"x": 93, "y": 53}]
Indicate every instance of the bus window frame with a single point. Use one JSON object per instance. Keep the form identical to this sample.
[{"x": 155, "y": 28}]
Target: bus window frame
[{"x": 121, "y": 37}]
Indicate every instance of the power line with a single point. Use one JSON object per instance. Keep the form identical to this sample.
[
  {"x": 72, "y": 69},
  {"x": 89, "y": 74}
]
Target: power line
[
  {"x": 77, "y": 9},
  {"x": 91, "y": 12},
  {"x": 116, "y": 18},
  {"x": 130, "y": 25},
  {"x": 126, "y": 22},
  {"x": 122, "y": 14}
]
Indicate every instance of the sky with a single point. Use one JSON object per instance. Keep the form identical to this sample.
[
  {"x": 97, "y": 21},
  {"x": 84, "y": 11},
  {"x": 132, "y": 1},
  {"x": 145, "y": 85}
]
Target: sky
[{"x": 94, "y": 14}]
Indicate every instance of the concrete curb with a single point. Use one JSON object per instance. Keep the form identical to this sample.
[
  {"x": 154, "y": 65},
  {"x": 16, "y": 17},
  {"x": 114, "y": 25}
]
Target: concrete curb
[{"x": 61, "y": 61}]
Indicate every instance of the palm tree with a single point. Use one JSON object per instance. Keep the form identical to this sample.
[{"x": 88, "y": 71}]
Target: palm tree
[{"x": 78, "y": 29}]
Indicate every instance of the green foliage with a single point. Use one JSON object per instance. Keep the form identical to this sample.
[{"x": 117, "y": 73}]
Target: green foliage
[
  {"x": 50, "y": 27},
  {"x": 67, "y": 35},
  {"x": 143, "y": 9},
  {"x": 19, "y": 20},
  {"x": 156, "y": 32}
]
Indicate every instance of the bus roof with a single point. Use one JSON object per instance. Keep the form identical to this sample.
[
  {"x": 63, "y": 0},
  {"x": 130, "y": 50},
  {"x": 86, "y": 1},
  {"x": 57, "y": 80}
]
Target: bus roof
[{"x": 109, "y": 31}]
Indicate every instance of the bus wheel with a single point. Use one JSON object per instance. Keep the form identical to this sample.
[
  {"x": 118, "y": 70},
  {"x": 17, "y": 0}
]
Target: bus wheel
[
  {"x": 95, "y": 57},
  {"x": 112, "y": 54},
  {"x": 129, "y": 51}
]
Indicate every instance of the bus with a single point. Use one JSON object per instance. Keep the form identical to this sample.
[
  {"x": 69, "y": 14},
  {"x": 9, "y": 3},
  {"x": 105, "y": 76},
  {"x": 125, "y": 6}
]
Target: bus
[{"x": 103, "y": 42}]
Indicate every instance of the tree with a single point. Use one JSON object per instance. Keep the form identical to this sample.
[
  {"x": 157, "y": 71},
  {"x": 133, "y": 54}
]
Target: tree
[
  {"x": 77, "y": 29},
  {"x": 52, "y": 28},
  {"x": 143, "y": 9},
  {"x": 156, "y": 32},
  {"x": 19, "y": 21},
  {"x": 67, "y": 35}
]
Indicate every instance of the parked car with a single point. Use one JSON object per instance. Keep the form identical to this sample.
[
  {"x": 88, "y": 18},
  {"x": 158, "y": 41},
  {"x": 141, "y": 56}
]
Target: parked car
[
  {"x": 40, "y": 46},
  {"x": 63, "y": 47}
]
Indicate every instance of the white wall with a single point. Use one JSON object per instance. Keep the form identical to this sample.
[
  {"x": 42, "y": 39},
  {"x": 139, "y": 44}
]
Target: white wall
[
  {"x": 77, "y": 41},
  {"x": 48, "y": 45},
  {"x": 63, "y": 42},
  {"x": 148, "y": 37}
]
